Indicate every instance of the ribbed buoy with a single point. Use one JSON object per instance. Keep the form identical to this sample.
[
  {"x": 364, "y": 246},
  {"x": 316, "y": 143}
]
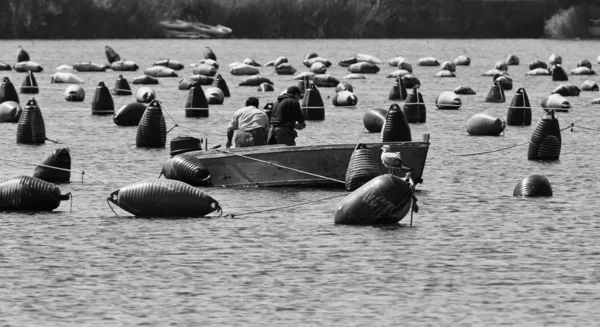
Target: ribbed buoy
[
  {"x": 10, "y": 112},
  {"x": 414, "y": 107},
  {"x": 313, "y": 107},
  {"x": 22, "y": 55},
  {"x": 187, "y": 169},
  {"x": 130, "y": 114},
  {"x": 102, "y": 104},
  {"x": 395, "y": 127},
  {"x": 220, "y": 83},
  {"x": 344, "y": 99},
  {"x": 556, "y": 102},
  {"x": 398, "y": 91},
  {"x": 374, "y": 120},
  {"x": 111, "y": 54},
  {"x": 558, "y": 73},
  {"x": 209, "y": 54},
  {"x": 29, "y": 85},
  {"x": 74, "y": 92},
  {"x": 31, "y": 128},
  {"x": 196, "y": 104},
  {"x": 182, "y": 144},
  {"x": 533, "y": 185},
  {"x": 145, "y": 94},
  {"x": 265, "y": 87},
  {"x": 385, "y": 199},
  {"x": 496, "y": 94},
  {"x": 464, "y": 90},
  {"x": 268, "y": 109},
  {"x": 546, "y": 141},
  {"x": 26, "y": 193},
  {"x": 485, "y": 124},
  {"x": 519, "y": 110},
  {"x": 7, "y": 91},
  {"x": 60, "y": 158},
  {"x": 344, "y": 86},
  {"x": 448, "y": 100},
  {"x": 152, "y": 129},
  {"x": 163, "y": 198},
  {"x": 121, "y": 86},
  {"x": 410, "y": 81},
  {"x": 361, "y": 168}
]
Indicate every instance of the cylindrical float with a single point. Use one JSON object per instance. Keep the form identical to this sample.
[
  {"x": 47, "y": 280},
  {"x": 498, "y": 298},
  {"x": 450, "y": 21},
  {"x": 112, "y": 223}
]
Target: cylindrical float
[
  {"x": 187, "y": 169},
  {"x": 374, "y": 120},
  {"x": 75, "y": 93},
  {"x": 344, "y": 99},
  {"x": 533, "y": 185},
  {"x": 519, "y": 110},
  {"x": 567, "y": 90},
  {"x": 361, "y": 168},
  {"x": 26, "y": 193},
  {"x": 152, "y": 129},
  {"x": 10, "y": 112},
  {"x": 145, "y": 94},
  {"x": 313, "y": 107},
  {"x": 448, "y": 100},
  {"x": 196, "y": 104},
  {"x": 546, "y": 141},
  {"x": 485, "y": 124},
  {"x": 556, "y": 102},
  {"x": 214, "y": 95},
  {"x": 464, "y": 90},
  {"x": 130, "y": 114},
  {"x": 144, "y": 79},
  {"x": 395, "y": 128},
  {"x": 102, "y": 104},
  {"x": 31, "y": 128},
  {"x": 60, "y": 158}
]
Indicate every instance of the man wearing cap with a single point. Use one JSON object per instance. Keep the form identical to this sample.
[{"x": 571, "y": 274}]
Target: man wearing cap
[
  {"x": 251, "y": 123},
  {"x": 286, "y": 118}
]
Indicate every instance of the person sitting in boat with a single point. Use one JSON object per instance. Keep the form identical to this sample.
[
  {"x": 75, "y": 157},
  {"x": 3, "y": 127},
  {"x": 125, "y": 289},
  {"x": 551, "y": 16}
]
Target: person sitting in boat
[
  {"x": 286, "y": 118},
  {"x": 252, "y": 125}
]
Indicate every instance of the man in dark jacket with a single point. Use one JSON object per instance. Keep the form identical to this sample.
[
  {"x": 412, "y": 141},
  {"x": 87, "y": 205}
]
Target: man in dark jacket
[{"x": 286, "y": 117}]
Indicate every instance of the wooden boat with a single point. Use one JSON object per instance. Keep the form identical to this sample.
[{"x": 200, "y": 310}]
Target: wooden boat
[{"x": 308, "y": 165}]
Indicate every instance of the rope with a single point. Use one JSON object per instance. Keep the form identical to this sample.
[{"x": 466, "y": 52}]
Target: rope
[
  {"x": 285, "y": 207},
  {"x": 592, "y": 129},
  {"x": 52, "y": 167}
]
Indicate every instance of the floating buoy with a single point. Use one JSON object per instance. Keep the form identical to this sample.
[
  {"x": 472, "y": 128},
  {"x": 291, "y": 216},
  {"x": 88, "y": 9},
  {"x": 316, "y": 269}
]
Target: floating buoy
[
  {"x": 310, "y": 56},
  {"x": 344, "y": 99},
  {"x": 398, "y": 91},
  {"x": 26, "y": 193},
  {"x": 22, "y": 55},
  {"x": 546, "y": 141},
  {"x": 462, "y": 61},
  {"x": 344, "y": 86},
  {"x": 182, "y": 144},
  {"x": 538, "y": 72},
  {"x": 309, "y": 62},
  {"x": 187, "y": 169},
  {"x": 204, "y": 69},
  {"x": 130, "y": 114},
  {"x": 214, "y": 95},
  {"x": 163, "y": 198},
  {"x": 88, "y": 66},
  {"x": 209, "y": 54},
  {"x": 494, "y": 72},
  {"x": 145, "y": 94},
  {"x": 385, "y": 199},
  {"x": 30, "y": 85},
  {"x": 557, "y": 103},
  {"x": 25, "y": 66},
  {"x": 496, "y": 94},
  {"x": 464, "y": 90},
  {"x": 5, "y": 66},
  {"x": 121, "y": 86},
  {"x": 428, "y": 61},
  {"x": 363, "y": 68},
  {"x": 144, "y": 79},
  {"x": 446, "y": 65},
  {"x": 368, "y": 58},
  {"x": 537, "y": 64},
  {"x": 186, "y": 83},
  {"x": 448, "y": 100},
  {"x": 60, "y": 158},
  {"x": 354, "y": 76},
  {"x": 111, "y": 54},
  {"x": 533, "y": 185},
  {"x": 209, "y": 62},
  {"x": 398, "y": 73},
  {"x": 519, "y": 110},
  {"x": 347, "y": 62},
  {"x": 196, "y": 104},
  {"x": 585, "y": 63},
  {"x": 396, "y": 60},
  {"x": 169, "y": 63},
  {"x": 361, "y": 168},
  {"x": 414, "y": 107},
  {"x": 445, "y": 73},
  {"x": 318, "y": 68},
  {"x": 512, "y": 60},
  {"x": 160, "y": 71},
  {"x": 312, "y": 106},
  {"x": 395, "y": 127},
  {"x": 280, "y": 60},
  {"x": 501, "y": 65},
  {"x": 62, "y": 77},
  {"x": 102, "y": 104},
  {"x": 410, "y": 81},
  {"x": 10, "y": 112},
  {"x": 485, "y": 124},
  {"x": 567, "y": 90},
  {"x": 583, "y": 71},
  {"x": 558, "y": 73},
  {"x": 124, "y": 65},
  {"x": 506, "y": 83},
  {"x": 404, "y": 65},
  {"x": 304, "y": 75},
  {"x": 255, "y": 80},
  {"x": 285, "y": 69},
  {"x": 251, "y": 62},
  {"x": 74, "y": 92},
  {"x": 31, "y": 128},
  {"x": 7, "y": 91},
  {"x": 589, "y": 86},
  {"x": 265, "y": 87},
  {"x": 243, "y": 69},
  {"x": 374, "y": 120},
  {"x": 152, "y": 129},
  {"x": 554, "y": 60},
  {"x": 325, "y": 80}
]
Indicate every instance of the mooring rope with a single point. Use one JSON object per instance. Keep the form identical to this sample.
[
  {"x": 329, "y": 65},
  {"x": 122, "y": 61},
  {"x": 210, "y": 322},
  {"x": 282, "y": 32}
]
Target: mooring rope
[
  {"x": 285, "y": 207},
  {"x": 52, "y": 167}
]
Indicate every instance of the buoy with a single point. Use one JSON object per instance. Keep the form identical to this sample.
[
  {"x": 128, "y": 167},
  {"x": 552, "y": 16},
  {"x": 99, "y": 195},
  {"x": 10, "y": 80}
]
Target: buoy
[
  {"x": 280, "y": 60},
  {"x": 344, "y": 99},
  {"x": 501, "y": 65},
  {"x": 121, "y": 86},
  {"x": 243, "y": 69},
  {"x": 30, "y": 85},
  {"x": 325, "y": 80},
  {"x": 404, "y": 65},
  {"x": 410, "y": 81},
  {"x": 186, "y": 83},
  {"x": 448, "y": 100},
  {"x": 368, "y": 58},
  {"x": 494, "y": 72},
  {"x": 207, "y": 62},
  {"x": 464, "y": 90},
  {"x": 285, "y": 69},
  {"x": 31, "y": 128},
  {"x": 506, "y": 83},
  {"x": 209, "y": 54},
  {"x": 385, "y": 199},
  {"x": 537, "y": 64},
  {"x": 62, "y": 77},
  {"x": 485, "y": 124},
  {"x": 554, "y": 60},
  {"x": 546, "y": 141},
  {"x": 214, "y": 95},
  {"x": 163, "y": 198},
  {"x": 304, "y": 75},
  {"x": 145, "y": 94},
  {"x": 445, "y": 73},
  {"x": 347, "y": 62},
  {"x": 88, "y": 66},
  {"x": 152, "y": 129},
  {"x": 446, "y": 65},
  {"x": 398, "y": 91},
  {"x": 182, "y": 144},
  {"x": 395, "y": 127},
  {"x": 519, "y": 110},
  {"x": 363, "y": 68},
  {"x": 5, "y": 66},
  {"x": 25, "y": 66},
  {"x": 144, "y": 79},
  {"x": 160, "y": 71},
  {"x": 556, "y": 102},
  {"x": 310, "y": 56},
  {"x": 312, "y": 106},
  {"x": 255, "y": 80},
  {"x": 111, "y": 54},
  {"x": 265, "y": 87},
  {"x": 585, "y": 63},
  {"x": 567, "y": 90},
  {"x": 374, "y": 120},
  {"x": 7, "y": 91},
  {"x": 496, "y": 94},
  {"x": 414, "y": 107},
  {"x": 462, "y": 60},
  {"x": 196, "y": 104},
  {"x": 204, "y": 69},
  {"x": 22, "y": 55},
  {"x": 361, "y": 168},
  {"x": 124, "y": 65},
  {"x": 512, "y": 60},
  {"x": 170, "y": 63},
  {"x": 188, "y": 169},
  {"x": 102, "y": 104},
  {"x": 10, "y": 112},
  {"x": 26, "y": 193},
  {"x": 130, "y": 114},
  {"x": 74, "y": 92},
  {"x": 428, "y": 61},
  {"x": 344, "y": 86},
  {"x": 311, "y": 61},
  {"x": 251, "y": 62},
  {"x": 396, "y": 60},
  {"x": 558, "y": 73},
  {"x": 60, "y": 158},
  {"x": 398, "y": 73},
  {"x": 583, "y": 71},
  {"x": 533, "y": 185},
  {"x": 589, "y": 86},
  {"x": 538, "y": 72},
  {"x": 318, "y": 68}
]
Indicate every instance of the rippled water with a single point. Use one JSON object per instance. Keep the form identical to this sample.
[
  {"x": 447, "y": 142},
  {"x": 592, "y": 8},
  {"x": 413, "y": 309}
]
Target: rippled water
[{"x": 475, "y": 255}]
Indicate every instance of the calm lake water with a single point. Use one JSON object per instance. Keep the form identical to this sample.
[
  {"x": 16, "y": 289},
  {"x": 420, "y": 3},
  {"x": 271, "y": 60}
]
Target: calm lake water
[{"x": 475, "y": 254}]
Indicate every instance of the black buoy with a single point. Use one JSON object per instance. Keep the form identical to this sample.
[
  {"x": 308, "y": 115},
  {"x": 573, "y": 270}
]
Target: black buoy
[
  {"x": 519, "y": 110},
  {"x": 196, "y": 104},
  {"x": 60, "y": 158},
  {"x": 22, "y": 55},
  {"x": 31, "y": 128},
  {"x": 313, "y": 107},
  {"x": 414, "y": 107},
  {"x": 265, "y": 87},
  {"x": 496, "y": 93},
  {"x": 111, "y": 54},
  {"x": 361, "y": 168},
  {"x": 188, "y": 169},
  {"x": 209, "y": 54},
  {"x": 374, "y": 120},
  {"x": 152, "y": 130},
  {"x": 220, "y": 83},
  {"x": 558, "y": 73},
  {"x": 130, "y": 114},
  {"x": 410, "y": 81},
  {"x": 533, "y": 185},
  {"x": 546, "y": 141},
  {"x": 182, "y": 144},
  {"x": 121, "y": 86},
  {"x": 398, "y": 91},
  {"x": 26, "y": 193},
  {"x": 7, "y": 91},
  {"x": 102, "y": 104},
  {"x": 268, "y": 109},
  {"x": 395, "y": 127},
  {"x": 30, "y": 85}
]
